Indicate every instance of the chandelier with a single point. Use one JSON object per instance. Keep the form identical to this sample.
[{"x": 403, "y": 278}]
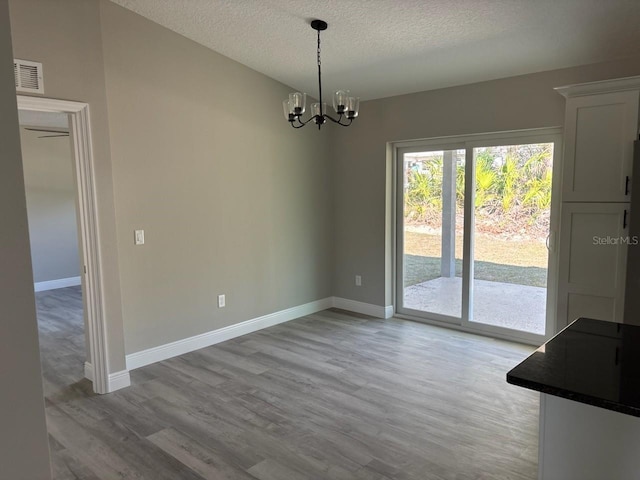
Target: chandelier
[{"x": 346, "y": 107}]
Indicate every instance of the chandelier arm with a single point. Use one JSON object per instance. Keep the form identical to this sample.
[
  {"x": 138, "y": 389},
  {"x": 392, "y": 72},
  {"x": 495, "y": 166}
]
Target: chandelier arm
[
  {"x": 338, "y": 120},
  {"x": 308, "y": 120},
  {"x": 301, "y": 123},
  {"x": 346, "y": 124}
]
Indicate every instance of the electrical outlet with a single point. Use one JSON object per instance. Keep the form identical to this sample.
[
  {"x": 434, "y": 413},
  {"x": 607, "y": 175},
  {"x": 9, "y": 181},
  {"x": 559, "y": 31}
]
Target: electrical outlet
[
  {"x": 358, "y": 281},
  {"x": 221, "y": 301},
  {"x": 139, "y": 237}
]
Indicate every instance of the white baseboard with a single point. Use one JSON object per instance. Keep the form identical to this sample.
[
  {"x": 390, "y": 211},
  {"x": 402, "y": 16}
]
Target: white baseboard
[
  {"x": 180, "y": 347},
  {"x": 117, "y": 380},
  {"x": 88, "y": 371},
  {"x": 364, "y": 308},
  {"x": 59, "y": 283},
  {"x": 190, "y": 344}
]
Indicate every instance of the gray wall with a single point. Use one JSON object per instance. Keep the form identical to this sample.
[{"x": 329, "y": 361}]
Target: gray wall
[
  {"x": 51, "y": 207},
  {"x": 232, "y": 199},
  {"x": 24, "y": 453},
  {"x": 65, "y": 36},
  {"x": 195, "y": 151},
  {"x": 361, "y": 174}
]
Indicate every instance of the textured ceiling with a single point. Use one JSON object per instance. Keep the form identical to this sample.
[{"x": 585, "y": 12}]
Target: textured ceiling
[
  {"x": 43, "y": 119},
  {"x": 380, "y": 48}
]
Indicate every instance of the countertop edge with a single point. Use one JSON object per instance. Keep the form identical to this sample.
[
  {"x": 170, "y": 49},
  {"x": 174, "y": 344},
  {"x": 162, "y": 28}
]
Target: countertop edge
[{"x": 577, "y": 397}]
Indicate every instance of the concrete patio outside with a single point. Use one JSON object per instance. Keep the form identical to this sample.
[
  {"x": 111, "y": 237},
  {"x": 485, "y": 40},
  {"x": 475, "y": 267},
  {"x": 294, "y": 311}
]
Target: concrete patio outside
[{"x": 518, "y": 307}]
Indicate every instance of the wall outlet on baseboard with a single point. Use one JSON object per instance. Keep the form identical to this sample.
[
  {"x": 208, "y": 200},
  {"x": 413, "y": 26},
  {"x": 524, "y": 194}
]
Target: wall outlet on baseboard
[
  {"x": 358, "y": 280},
  {"x": 222, "y": 302}
]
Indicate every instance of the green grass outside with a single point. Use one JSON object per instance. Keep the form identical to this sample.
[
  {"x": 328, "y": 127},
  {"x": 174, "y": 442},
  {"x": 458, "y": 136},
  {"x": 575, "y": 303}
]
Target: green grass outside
[
  {"x": 497, "y": 260},
  {"x": 420, "y": 269}
]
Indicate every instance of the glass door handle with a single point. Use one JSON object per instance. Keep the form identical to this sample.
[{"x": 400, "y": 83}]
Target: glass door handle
[{"x": 547, "y": 242}]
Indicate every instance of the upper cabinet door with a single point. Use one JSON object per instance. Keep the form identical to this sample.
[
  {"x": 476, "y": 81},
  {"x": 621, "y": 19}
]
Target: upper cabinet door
[{"x": 599, "y": 135}]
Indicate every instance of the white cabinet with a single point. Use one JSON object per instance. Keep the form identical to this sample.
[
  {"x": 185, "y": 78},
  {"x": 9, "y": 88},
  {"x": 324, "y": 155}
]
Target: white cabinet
[
  {"x": 583, "y": 442},
  {"x": 593, "y": 254},
  {"x": 601, "y": 125},
  {"x": 599, "y": 134}
]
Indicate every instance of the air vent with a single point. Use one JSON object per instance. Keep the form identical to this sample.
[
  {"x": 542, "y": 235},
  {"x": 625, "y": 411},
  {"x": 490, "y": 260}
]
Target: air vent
[{"x": 28, "y": 76}]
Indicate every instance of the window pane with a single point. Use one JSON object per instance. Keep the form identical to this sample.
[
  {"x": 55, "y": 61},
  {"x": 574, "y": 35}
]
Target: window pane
[{"x": 433, "y": 187}]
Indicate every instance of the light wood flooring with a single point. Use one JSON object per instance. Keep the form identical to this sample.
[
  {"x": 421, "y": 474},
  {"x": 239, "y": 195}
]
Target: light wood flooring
[{"x": 329, "y": 396}]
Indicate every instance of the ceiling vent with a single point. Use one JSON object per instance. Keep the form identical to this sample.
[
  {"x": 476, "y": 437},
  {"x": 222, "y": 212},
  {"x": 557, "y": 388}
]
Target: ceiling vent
[{"x": 28, "y": 76}]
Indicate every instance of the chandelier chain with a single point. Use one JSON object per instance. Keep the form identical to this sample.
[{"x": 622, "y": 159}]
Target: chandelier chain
[
  {"x": 318, "y": 48},
  {"x": 319, "y": 76}
]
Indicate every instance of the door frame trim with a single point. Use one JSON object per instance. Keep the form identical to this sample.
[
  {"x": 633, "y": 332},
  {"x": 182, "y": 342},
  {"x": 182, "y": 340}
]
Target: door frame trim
[
  {"x": 92, "y": 277},
  {"x": 468, "y": 142}
]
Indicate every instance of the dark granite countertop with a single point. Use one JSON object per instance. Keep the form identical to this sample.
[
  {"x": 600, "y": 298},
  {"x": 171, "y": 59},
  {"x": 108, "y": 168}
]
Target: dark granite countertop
[{"x": 590, "y": 361}]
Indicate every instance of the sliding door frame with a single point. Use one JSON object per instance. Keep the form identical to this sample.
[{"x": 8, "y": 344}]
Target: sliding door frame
[
  {"x": 469, "y": 143},
  {"x": 446, "y": 145}
]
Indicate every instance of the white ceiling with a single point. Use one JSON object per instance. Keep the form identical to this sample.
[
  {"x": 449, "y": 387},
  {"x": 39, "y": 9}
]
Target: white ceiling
[
  {"x": 43, "y": 119},
  {"x": 380, "y": 48}
]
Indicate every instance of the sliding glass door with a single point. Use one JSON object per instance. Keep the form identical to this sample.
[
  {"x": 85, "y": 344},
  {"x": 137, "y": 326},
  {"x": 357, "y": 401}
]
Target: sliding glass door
[
  {"x": 512, "y": 211},
  {"x": 433, "y": 222},
  {"x": 474, "y": 233}
]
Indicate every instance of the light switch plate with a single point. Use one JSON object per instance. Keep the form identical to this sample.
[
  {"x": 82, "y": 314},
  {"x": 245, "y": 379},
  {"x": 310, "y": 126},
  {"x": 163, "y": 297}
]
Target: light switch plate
[
  {"x": 221, "y": 301},
  {"x": 139, "y": 237}
]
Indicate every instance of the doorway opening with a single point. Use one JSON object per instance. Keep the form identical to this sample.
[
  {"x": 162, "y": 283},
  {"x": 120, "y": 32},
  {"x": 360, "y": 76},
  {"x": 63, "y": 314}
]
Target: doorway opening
[
  {"x": 51, "y": 196},
  {"x": 475, "y": 227},
  {"x": 96, "y": 368}
]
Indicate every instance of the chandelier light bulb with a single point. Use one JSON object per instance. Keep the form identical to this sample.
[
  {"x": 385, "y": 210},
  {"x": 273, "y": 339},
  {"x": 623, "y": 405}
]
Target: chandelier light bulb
[
  {"x": 353, "y": 106},
  {"x": 298, "y": 102},
  {"x": 340, "y": 101},
  {"x": 288, "y": 111},
  {"x": 317, "y": 110}
]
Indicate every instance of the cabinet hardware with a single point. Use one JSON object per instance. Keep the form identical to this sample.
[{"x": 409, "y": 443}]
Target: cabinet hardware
[
  {"x": 626, "y": 186},
  {"x": 624, "y": 219}
]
